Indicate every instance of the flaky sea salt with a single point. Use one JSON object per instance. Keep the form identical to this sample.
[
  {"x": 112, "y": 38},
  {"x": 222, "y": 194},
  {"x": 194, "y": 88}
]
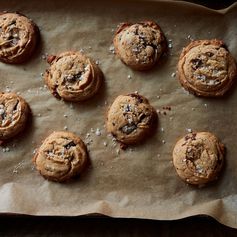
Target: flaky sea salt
[
  {"x": 97, "y": 132},
  {"x": 189, "y": 130}
]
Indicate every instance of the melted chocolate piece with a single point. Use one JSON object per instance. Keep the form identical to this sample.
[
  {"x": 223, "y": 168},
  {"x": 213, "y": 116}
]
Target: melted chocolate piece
[
  {"x": 129, "y": 128},
  {"x": 69, "y": 145}
]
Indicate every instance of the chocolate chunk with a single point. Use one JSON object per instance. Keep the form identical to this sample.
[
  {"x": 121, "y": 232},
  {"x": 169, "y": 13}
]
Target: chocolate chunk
[
  {"x": 128, "y": 128},
  {"x": 69, "y": 145}
]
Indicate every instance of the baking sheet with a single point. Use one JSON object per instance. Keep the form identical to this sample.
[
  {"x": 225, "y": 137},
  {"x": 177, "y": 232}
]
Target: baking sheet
[{"x": 141, "y": 181}]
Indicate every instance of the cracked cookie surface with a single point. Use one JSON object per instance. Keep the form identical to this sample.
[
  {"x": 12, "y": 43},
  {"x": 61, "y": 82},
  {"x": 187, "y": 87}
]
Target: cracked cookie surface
[
  {"x": 198, "y": 158},
  {"x": 18, "y": 38},
  {"x": 130, "y": 118},
  {"x": 14, "y": 113},
  {"x": 139, "y": 45},
  {"x": 73, "y": 76},
  {"x": 206, "y": 68},
  {"x": 62, "y": 156}
]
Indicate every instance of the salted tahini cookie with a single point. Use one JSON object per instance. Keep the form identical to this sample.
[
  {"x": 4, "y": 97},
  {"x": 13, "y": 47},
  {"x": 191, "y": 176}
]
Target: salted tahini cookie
[
  {"x": 14, "y": 112},
  {"x": 206, "y": 68},
  {"x": 18, "y": 37},
  {"x": 130, "y": 119},
  {"x": 62, "y": 156},
  {"x": 73, "y": 76},
  {"x": 198, "y": 158},
  {"x": 139, "y": 45}
]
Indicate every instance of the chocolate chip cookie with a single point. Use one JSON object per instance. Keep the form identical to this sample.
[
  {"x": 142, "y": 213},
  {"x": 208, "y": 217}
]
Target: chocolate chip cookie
[
  {"x": 18, "y": 38},
  {"x": 73, "y": 76},
  {"x": 14, "y": 112},
  {"x": 139, "y": 45},
  {"x": 198, "y": 158},
  {"x": 206, "y": 68},
  {"x": 131, "y": 118},
  {"x": 62, "y": 156}
]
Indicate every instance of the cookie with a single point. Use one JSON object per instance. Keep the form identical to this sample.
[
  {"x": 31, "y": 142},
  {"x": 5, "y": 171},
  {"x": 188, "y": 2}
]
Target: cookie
[
  {"x": 14, "y": 112},
  {"x": 198, "y": 158},
  {"x": 73, "y": 76},
  {"x": 62, "y": 156},
  {"x": 18, "y": 38},
  {"x": 131, "y": 118},
  {"x": 206, "y": 68},
  {"x": 139, "y": 45}
]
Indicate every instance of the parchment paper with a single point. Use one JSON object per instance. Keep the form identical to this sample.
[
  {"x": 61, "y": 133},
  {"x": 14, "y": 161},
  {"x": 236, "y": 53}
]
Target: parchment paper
[{"x": 141, "y": 181}]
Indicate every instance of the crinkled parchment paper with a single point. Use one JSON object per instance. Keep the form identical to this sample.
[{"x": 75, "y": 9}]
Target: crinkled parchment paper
[{"x": 141, "y": 181}]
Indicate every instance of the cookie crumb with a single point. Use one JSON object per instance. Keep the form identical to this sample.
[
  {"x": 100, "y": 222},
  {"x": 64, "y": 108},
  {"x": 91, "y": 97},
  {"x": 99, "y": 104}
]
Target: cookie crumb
[
  {"x": 158, "y": 97},
  {"x": 65, "y": 128},
  {"x": 105, "y": 143},
  {"x": 205, "y": 105},
  {"x": 162, "y": 129},
  {"x": 163, "y": 141},
  {"x": 65, "y": 115},
  {"x": 97, "y": 62},
  {"x": 129, "y": 77}
]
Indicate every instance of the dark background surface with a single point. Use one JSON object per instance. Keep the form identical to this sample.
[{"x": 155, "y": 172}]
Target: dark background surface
[{"x": 101, "y": 226}]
